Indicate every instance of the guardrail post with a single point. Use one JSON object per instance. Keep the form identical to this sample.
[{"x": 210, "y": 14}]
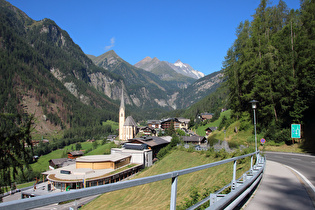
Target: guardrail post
[
  {"x": 213, "y": 199},
  {"x": 251, "y": 164},
  {"x": 234, "y": 177},
  {"x": 173, "y": 193}
]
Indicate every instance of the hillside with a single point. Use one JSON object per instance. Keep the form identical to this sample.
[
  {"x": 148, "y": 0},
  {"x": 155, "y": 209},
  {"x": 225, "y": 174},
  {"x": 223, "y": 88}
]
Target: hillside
[
  {"x": 43, "y": 72},
  {"x": 146, "y": 89},
  {"x": 157, "y": 195}
]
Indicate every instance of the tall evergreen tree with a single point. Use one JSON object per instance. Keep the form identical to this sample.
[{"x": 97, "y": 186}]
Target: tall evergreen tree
[
  {"x": 15, "y": 139},
  {"x": 272, "y": 61}
]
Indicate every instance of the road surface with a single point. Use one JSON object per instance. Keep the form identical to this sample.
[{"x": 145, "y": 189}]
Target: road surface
[
  {"x": 286, "y": 184},
  {"x": 305, "y": 164}
]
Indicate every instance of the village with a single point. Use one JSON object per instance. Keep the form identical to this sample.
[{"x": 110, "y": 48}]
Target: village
[{"x": 138, "y": 149}]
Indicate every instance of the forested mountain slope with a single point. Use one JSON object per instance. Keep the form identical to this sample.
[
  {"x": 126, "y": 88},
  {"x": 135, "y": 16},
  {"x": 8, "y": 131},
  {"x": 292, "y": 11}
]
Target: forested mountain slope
[
  {"x": 272, "y": 61},
  {"x": 43, "y": 72}
]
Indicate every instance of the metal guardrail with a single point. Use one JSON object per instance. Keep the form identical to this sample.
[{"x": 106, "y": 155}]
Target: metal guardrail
[{"x": 215, "y": 201}]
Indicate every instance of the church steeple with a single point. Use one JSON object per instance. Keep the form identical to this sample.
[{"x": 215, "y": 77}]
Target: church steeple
[
  {"x": 122, "y": 101},
  {"x": 121, "y": 116}
]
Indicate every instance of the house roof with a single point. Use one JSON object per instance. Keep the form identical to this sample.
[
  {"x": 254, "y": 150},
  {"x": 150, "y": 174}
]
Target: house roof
[
  {"x": 185, "y": 120},
  {"x": 167, "y": 138},
  {"x": 206, "y": 114},
  {"x": 111, "y": 136},
  {"x": 169, "y": 119},
  {"x": 102, "y": 158},
  {"x": 76, "y": 153},
  {"x": 151, "y": 141},
  {"x": 153, "y": 122},
  {"x": 58, "y": 161},
  {"x": 211, "y": 128},
  {"x": 193, "y": 138},
  {"x": 130, "y": 121}
]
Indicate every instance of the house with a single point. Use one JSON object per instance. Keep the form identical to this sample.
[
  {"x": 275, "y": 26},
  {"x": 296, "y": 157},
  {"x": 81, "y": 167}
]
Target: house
[
  {"x": 140, "y": 153},
  {"x": 154, "y": 123},
  {"x": 183, "y": 120},
  {"x": 210, "y": 130},
  {"x": 60, "y": 162},
  {"x": 111, "y": 137},
  {"x": 206, "y": 116},
  {"x": 178, "y": 124},
  {"x": 75, "y": 154},
  {"x": 147, "y": 131},
  {"x": 153, "y": 143},
  {"x": 194, "y": 139}
]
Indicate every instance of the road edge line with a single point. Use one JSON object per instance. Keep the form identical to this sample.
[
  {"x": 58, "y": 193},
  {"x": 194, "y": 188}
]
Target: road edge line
[{"x": 307, "y": 184}]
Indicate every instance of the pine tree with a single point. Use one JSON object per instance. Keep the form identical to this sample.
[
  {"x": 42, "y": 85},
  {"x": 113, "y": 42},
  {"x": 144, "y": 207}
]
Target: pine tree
[{"x": 15, "y": 146}]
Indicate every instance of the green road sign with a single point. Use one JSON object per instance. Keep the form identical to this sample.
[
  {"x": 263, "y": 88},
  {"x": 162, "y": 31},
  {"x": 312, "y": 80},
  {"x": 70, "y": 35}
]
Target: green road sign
[{"x": 295, "y": 131}]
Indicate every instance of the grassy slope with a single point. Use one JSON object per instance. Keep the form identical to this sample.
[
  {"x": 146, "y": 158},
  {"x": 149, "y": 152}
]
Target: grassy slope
[
  {"x": 157, "y": 195},
  {"x": 201, "y": 129},
  {"x": 102, "y": 149},
  {"x": 115, "y": 125},
  {"x": 245, "y": 137}
]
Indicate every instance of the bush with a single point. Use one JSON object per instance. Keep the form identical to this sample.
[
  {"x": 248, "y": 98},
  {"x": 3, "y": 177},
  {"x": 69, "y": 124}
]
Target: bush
[
  {"x": 276, "y": 134},
  {"x": 245, "y": 122},
  {"x": 221, "y": 154},
  {"x": 212, "y": 141}
]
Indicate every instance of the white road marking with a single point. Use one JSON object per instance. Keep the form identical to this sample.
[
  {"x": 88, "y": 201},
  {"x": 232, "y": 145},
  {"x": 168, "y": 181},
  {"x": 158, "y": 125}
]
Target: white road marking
[{"x": 304, "y": 178}]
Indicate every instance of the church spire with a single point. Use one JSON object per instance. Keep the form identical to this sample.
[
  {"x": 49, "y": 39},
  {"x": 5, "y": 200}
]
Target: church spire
[
  {"x": 122, "y": 101},
  {"x": 122, "y": 116}
]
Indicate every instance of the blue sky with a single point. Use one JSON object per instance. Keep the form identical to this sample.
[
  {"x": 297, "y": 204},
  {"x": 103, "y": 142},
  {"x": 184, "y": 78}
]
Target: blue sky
[{"x": 197, "y": 32}]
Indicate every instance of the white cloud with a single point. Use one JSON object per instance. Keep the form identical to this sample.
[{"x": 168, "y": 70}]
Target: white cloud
[{"x": 112, "y": 44}]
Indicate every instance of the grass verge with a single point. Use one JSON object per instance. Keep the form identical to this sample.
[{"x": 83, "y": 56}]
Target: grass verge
[{"x": 157, "y": 195}]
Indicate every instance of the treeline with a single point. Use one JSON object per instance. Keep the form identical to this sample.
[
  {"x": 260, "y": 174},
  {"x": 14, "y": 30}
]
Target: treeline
[
  {"x": 272, "y": 61},
  {"x": 15, "y": 134},
  {"x": 213, "y": 103}
]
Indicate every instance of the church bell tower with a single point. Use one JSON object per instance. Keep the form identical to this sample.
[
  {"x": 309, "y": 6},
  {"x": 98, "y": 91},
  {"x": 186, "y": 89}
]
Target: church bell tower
[{"x": 121, "y": 116}]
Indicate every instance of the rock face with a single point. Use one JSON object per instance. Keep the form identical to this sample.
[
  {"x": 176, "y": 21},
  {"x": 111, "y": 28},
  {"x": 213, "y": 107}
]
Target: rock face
[
  {"x": 105, "y": 84},
  {"x": 156, "y": 66},
  {"x": 198, "y": 90},
  {"x": 187, "y": 70},
  {"x": 152, "y": 83}
]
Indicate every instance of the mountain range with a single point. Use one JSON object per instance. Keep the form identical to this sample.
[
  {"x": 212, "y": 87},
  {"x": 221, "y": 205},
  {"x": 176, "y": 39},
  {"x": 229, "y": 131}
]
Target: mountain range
[
  {"x": 155, "y": 65},
  {"x": 43, "y": 72}
]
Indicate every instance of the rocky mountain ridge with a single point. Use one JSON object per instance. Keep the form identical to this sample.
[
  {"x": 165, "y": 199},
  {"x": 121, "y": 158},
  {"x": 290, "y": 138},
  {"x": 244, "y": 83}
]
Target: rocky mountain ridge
[
  {"x": 158, "y": 67},
  {"x": 70, "y": 88}
]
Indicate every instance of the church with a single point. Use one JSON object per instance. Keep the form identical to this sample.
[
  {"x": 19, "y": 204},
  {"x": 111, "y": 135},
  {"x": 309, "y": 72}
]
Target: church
[{"x": 127, "y": 126}]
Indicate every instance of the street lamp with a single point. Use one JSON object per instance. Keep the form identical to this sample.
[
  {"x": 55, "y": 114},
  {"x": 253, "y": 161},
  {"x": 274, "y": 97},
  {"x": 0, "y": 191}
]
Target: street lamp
[{"x": 254, "y": 102}]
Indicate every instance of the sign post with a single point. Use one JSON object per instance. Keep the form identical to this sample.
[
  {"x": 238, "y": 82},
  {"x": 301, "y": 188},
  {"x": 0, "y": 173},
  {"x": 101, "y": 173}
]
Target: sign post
[{"x": 295, "y": 131}]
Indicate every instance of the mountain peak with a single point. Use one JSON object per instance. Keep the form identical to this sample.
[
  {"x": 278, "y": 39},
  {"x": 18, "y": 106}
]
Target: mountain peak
[
  {"x": 180, "y": 64},
  {"x": 155, "y": 59},
  {"x": 148, "y": 58},
  {"x": 178, "y": 61},
  {"x": 143, "y": 62},
  {"x": 111, "y": 53}
]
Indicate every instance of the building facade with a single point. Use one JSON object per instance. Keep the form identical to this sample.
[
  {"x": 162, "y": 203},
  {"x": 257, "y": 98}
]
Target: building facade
[{"x": 127, "y": 126}]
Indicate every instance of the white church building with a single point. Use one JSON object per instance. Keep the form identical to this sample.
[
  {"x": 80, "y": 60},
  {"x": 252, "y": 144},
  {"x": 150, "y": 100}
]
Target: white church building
[{"x": 127, "y": 126}]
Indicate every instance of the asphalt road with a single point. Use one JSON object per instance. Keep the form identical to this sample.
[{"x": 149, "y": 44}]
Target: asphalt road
[{"x": 305, "y": 164}]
